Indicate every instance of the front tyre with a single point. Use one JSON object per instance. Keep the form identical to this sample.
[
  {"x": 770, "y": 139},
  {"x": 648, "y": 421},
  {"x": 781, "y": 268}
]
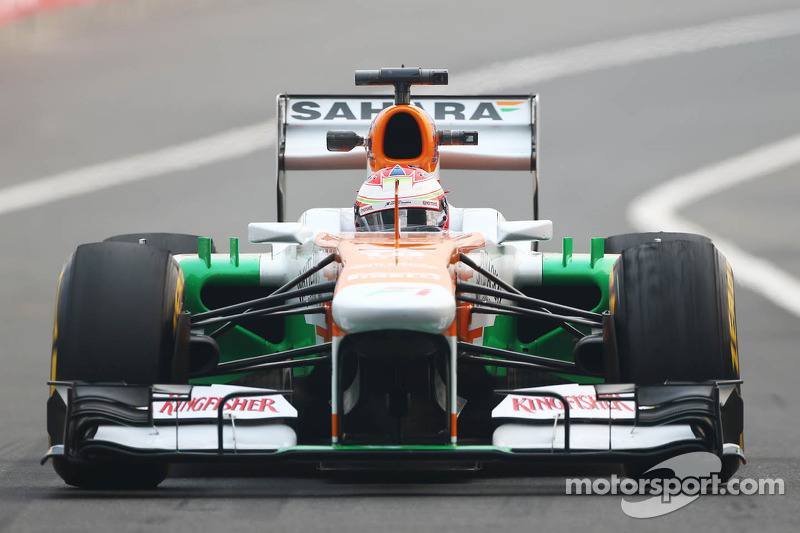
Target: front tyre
[
  {"x": 116, "y": 475},
  {"x": 118, "y": 319},
  {"x": 675, "y": 320}
]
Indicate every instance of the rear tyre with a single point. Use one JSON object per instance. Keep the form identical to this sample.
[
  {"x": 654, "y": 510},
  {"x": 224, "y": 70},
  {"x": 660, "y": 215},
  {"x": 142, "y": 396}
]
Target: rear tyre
[
  {"x": 617, "y": 243},
  {"x": 174, "y": 243},
  {"x": 117, "y": 320},
  {"x": 675, "y": 320}
]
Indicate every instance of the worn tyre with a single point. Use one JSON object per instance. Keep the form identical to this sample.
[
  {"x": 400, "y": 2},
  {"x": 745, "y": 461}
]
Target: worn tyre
[
  {"x": 675, "y": 320},
  {"x": 117, "y": 320},
  {"x": 174, "y": 243}
]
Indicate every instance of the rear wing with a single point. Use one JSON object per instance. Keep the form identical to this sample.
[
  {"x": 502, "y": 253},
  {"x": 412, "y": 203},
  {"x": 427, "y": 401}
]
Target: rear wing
[{"x": 507, "y": 127}]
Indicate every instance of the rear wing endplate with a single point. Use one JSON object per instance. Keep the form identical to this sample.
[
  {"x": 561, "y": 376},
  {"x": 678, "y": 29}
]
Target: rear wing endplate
[{"x": 507, "y": 127}]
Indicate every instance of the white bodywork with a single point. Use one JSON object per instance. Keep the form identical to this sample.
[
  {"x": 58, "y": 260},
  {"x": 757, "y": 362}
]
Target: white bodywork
[
  {"x": 199, "y": 437},
  {"x": 507, "y": 250},
  {"x": 505, "y": 127},
  {"x": 389, "y": 304},
  {"x": 536, "y": 421},
  {"x": 183, "y": 424},
  {"x": 584, "y": 437},
  {"x": 400, "y": 302}
]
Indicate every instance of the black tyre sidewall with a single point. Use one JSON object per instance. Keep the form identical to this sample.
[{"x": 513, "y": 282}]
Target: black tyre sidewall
[{"x": 111, "y": 475}]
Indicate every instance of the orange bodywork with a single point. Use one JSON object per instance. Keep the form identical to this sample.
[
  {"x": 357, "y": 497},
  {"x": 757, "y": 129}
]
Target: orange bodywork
[
  {"x": 420, "y": 254},
  {"x": 428, "y": 158},
  {"x": 428, "y": 258}
]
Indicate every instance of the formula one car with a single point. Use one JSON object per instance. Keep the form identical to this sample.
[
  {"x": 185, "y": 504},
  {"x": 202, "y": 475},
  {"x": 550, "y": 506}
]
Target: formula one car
[{"x": 401, "y": 330}]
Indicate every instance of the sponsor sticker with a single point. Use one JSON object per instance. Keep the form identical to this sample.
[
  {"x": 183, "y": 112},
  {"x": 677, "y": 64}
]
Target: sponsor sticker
[
  {"x": 404, "y": 203},
  {"x": 369, "y": 276},
  {"x": 581, "y": 400},
  {"x": 204, "y": 402},
  {"x": 467, "y": 109}
]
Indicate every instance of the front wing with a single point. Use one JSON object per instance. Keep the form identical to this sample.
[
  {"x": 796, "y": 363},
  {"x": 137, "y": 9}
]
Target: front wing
[{"x": 566, "y": 423}]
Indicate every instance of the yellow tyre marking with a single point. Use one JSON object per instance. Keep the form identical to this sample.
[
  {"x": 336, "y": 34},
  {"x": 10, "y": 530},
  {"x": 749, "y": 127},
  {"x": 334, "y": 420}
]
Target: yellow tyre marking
[
  {"x": 732, "y": 320},
  {"x": 54, "y": 355},
  {"x": 178, "y": 300}
]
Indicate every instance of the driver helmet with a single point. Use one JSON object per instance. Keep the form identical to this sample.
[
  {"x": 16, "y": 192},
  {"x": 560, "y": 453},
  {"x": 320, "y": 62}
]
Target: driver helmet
[{"x": 423, "y": 205}]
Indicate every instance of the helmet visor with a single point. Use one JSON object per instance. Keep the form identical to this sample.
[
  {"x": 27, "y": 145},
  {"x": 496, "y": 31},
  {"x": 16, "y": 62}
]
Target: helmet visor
[{"x": 411, "y": 219}]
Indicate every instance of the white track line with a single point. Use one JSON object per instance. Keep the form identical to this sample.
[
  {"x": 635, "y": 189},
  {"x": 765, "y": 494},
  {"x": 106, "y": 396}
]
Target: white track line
[
  {"x": 221, "y": 147},
  {"x": 657, "y": 210},
  {"x": 628, "y": 50},
  {"x": 753, "y": 272}
]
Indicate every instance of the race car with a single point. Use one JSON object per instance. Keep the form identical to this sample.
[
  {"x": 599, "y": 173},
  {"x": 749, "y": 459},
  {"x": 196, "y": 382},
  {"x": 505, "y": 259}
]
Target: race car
[{"x": 399, "y": 330}]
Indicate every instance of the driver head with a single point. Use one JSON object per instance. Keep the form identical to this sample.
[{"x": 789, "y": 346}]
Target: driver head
[{"x": 423, "y": 205}]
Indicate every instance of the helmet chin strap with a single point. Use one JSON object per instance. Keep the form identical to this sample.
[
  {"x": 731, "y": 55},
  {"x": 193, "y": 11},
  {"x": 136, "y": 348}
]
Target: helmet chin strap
[{"x": 396, "y": 219}]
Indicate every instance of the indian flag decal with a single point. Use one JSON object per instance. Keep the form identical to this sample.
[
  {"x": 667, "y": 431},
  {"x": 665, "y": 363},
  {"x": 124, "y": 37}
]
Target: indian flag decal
[{"x": 506, "y": 106}]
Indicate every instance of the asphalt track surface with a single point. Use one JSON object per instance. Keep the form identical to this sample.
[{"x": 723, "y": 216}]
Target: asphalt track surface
[{"x": 105, "y": 82}]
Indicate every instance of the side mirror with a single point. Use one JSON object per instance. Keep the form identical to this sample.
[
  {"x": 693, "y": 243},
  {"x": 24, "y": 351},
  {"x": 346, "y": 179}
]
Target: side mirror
[
  {"x": 343, "y": 141},
  {"x": 287, "y": 232},
  {"x": 456, "y": 137},
  {"x": 524, "y": 230}
]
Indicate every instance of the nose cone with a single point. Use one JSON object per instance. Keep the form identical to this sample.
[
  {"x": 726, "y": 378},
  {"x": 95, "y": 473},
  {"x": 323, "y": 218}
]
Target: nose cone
[{"x": 424, "y": 307}]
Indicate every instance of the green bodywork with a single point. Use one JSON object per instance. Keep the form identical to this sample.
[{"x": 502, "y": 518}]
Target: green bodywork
[
  {"x": 238, "y": 342},
  {"x": 242, "y": 270}
]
